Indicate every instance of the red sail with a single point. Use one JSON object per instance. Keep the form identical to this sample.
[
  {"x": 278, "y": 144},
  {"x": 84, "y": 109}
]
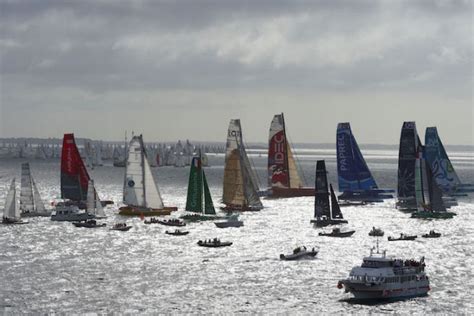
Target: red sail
[
  {"x": 74, "y": 176},
  {"x": 277, "y": 155}
]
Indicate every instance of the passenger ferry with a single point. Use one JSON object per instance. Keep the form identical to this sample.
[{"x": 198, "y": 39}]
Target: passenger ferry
[{"x": 381, "y": 277}]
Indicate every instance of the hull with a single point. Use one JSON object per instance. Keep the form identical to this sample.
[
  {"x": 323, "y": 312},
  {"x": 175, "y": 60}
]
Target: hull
[
  {"x": 198, "y": 217},
  {"x": 122, "y": 229},
  {"x": 364, "y": 291},
  {"x": 276, "y": 192},
  {"x": 401, "y": 239},
  {"x": 176, "y": 233},
  {"x": 87, "y": 225},
  {"x": 324, "y": 223},
  {"x": 437, "y": 235},
  {"x": 438, "y": 215},
  {"x": 229, "y": 224},
  {"x": 72, "y": 217},
  {"x": 36, "y": 214},
  {"x": 177, "y": 224},
  {"x": 135, "y": 211},
  {"x": 340, "y": 235},
  {"x": 8, "y": 221},
  {"x": 298, "y": 256},
  {"x": 214, "y": 245},
  {"x": 239, "y": 208}
]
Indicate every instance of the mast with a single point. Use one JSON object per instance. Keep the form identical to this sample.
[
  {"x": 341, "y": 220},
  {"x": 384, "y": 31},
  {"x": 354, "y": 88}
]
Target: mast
[
  {"x": 287, "y": 165},
  {"x": 142, "y": 157}
]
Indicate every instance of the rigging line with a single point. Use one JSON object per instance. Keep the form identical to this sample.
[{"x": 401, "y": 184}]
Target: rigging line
[
  {"x": 254, "y": 169},
  {"x": 299, "y": 169}
]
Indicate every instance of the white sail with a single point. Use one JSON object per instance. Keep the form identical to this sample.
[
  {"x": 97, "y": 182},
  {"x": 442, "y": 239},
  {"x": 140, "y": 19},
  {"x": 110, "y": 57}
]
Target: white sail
[
  {"x": 98, "y": 156},
  {"x": 11, "y": 211},
  {"x": 152, "y": 194},
  {"x": 140, "y": 187},
  {"x": 133, "y": 193},
  {"x": 39, "y": 206},
  {"x": 26, "y": 192},
  {"x": 90, "y": 202}
]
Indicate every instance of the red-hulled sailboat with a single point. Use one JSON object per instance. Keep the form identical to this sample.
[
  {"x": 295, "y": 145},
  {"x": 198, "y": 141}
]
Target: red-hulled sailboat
[
  {"x": 74, "y": 176},
  {"x": 283, "y": 177}
]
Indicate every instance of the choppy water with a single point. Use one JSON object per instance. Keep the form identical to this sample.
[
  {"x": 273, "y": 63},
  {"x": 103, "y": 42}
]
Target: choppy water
[{"x": 54, "y": 267}]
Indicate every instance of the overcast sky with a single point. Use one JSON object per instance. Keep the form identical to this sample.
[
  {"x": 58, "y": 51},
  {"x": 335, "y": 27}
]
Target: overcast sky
[{"x": 182, "y": 69}]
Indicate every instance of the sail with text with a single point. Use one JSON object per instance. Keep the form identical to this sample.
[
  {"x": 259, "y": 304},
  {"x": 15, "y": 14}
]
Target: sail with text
[
  {"x": 443, "y": 170},
  {"x": 284, "y": 179},
  {"x": 354, "y": 177},
  {"x": 74, "y": 175},
  {"x": 240, "y": 187}
]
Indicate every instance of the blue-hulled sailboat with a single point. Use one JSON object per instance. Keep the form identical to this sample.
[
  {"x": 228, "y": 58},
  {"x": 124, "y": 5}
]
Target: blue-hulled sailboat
[{"x": 355, "y": 179}]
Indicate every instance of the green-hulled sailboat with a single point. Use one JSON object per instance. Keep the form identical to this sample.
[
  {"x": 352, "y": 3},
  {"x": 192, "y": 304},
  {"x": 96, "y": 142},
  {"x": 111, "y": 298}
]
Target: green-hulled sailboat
[{"x": 199, "y": 200}]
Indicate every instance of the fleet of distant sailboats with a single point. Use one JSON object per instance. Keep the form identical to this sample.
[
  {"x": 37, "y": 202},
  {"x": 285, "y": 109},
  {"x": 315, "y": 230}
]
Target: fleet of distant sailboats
[{"x": 427, "y": 187}]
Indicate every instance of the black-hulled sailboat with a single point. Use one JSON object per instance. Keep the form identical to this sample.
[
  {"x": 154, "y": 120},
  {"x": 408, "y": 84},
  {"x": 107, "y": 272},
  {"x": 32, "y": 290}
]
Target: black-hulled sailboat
[
  {"x": 407, "y": 155},
  {"x": 325, "y": 214},
  {"x": 354, "y": 177}
]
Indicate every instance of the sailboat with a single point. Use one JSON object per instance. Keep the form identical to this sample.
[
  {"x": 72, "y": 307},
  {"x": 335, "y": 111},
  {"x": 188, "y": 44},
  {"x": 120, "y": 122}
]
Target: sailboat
[
  {"x": 407, "y": 155},
  {"x": 140, "y": 192},
  {"x": 30, "y": 199},
  {"x": 199, "y": 200},
  {"x": 325, "y": 214},
  {"x": 11, "y": 212},
  {"x": 240, "y": 182},
  {"x": 93, "y": 204},
  {"x": 355, "y": 179},
  {"x": 283, "y": 176},
  {"x": 429, "y": 197},
  {"x": 443, "y": 170}
]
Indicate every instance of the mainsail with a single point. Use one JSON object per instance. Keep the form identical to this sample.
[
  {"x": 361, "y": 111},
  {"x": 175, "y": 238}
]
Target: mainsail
[
  {"x": 335, "y": 209},
  {"x": 321, "y": 196},
  {"x": 436, "y": 156},
  {"x": 140, "y": 188},
  {"x": 74, "y": 176},
  {"x": 429, "y": 196},
  {"x": 353, "y": 173},
  {"x": 93, "y": 204},
  {"x": 409, "y": 142},
  {"x": 30, "y": 199},
  {"x": 240, "y": 189},
  {"x": 197, "y": 189},
  {"x": 27, "y": 203},
  {"x": 11, "y": 211},
  {"x": 282, "y": 168}
]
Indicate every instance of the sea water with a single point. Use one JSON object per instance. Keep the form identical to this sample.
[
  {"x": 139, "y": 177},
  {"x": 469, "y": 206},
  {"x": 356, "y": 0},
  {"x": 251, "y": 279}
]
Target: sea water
[{"x": 50, "y": 266}]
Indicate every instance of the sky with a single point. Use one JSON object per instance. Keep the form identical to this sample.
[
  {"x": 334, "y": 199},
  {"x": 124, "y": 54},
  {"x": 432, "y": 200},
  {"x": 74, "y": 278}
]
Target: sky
[{"x": 182, "y": 69}]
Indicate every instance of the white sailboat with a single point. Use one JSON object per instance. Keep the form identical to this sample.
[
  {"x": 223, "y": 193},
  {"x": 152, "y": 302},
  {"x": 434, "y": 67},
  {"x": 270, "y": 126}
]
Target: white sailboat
[
  {"x": 30, "y": 199},
  {"x": 93, "y": 204},
  {"x": 240, "y": 184},
  {"x": 11, "y": 212},
  {"x": 140, "y": 192}
]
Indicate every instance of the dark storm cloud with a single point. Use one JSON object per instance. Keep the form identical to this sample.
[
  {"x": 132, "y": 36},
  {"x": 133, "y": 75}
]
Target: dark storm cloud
[{"x": 95, "y": 50}]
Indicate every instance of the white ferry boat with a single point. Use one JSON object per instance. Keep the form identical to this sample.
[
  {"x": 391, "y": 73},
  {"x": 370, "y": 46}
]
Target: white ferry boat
[
  {"x": 381, "y": 277},
  {"x": 69, "y": 213}
]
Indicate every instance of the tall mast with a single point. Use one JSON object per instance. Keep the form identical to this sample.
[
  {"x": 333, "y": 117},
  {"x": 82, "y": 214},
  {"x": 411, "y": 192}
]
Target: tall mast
[
  {"x": 142, "y": 156},
  {"x": 287, "y": 164}
]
